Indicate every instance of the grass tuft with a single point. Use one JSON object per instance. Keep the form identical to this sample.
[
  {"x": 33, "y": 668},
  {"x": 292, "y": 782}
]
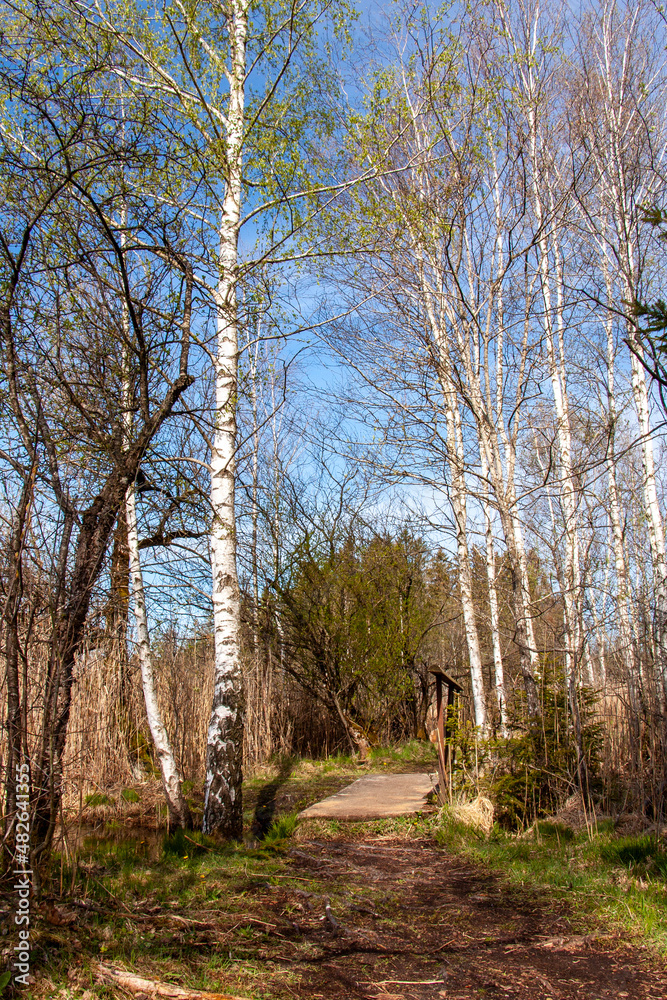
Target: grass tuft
[
  {"x": 280, "y": 831},
  {"x": 636, "y": 853},
  {"x": 553, "y": 831}
]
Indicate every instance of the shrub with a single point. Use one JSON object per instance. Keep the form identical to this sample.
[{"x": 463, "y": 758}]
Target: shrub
[{"x": 530, "y": 773}]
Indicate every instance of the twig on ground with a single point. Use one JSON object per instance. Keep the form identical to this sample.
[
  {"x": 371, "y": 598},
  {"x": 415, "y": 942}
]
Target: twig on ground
[{"x": 213, "y": 850}]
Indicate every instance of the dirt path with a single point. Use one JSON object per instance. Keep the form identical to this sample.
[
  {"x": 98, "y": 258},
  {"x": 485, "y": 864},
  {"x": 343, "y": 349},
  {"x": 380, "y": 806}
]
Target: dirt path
[{"x": 406, "y": 920}]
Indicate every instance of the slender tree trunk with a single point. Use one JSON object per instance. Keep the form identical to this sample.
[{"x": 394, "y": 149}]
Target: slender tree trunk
[
  {"x": 655, "y": 525},
  {"x": 179, "y": 812},
  {"x": 553, "y": 321},
  {"x": 262, "y": 732},
  {"x": 629, "y": 651},
  {"x": 477, "y": 389},
  {"x": 493, "y": 613},
  {"x": 119, "y": 604},
  {"x": 457, "y": 492},
  {"x": 506, "y": 505},
  {"x": 458, "y": 501},
  {"x": 117, "y": 616},
  {"x": 224, "y": 757}
]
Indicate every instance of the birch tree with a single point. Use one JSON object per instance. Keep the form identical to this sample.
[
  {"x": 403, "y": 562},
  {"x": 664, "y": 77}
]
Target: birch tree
[
  {"x": 235, "y": 84},
  {"x": 454, "y": 241},
  {"x": 531, "y": 35},
  {"x": 624, "y": 133},
  {"x": 179, "y": 812}
]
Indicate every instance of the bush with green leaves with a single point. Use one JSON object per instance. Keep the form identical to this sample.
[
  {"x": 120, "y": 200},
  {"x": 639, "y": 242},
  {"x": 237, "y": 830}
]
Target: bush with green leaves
[{"x": 529, "y": 773}]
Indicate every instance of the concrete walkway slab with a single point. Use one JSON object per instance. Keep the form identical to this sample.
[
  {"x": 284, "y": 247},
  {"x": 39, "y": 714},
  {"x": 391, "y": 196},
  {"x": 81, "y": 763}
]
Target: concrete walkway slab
[{"x": 375, "y": 796}]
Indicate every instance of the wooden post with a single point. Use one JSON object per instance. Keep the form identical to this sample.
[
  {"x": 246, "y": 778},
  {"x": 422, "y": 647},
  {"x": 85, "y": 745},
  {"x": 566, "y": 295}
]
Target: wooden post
[
  {"x": 442, "y": 756},
  {"x": 450, "y": 749},
  {"x": 445, "y": 748}
]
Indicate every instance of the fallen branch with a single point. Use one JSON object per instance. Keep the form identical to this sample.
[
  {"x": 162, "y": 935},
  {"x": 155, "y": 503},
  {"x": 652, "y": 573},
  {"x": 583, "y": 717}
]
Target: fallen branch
[
  {"x": 407, "y": 982},
  {"x": 154, "y": 988},
  {"x": 85, "y": 905}
]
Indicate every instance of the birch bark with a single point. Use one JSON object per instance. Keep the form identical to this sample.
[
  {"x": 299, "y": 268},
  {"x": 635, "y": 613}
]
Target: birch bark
[
  {"x": 457, "y": 495},
  {"x": 550, "y": 269},
  {"x": 458, "y": 492},
  {"x": 179, "y": 812},
  {"x": 429, "y": 266},
  {"x": 224, "y": 775},
  {"x": 476, "y": 384},
  {"x": 499, "y": 673},
  {"x": 626, "y": 628}
]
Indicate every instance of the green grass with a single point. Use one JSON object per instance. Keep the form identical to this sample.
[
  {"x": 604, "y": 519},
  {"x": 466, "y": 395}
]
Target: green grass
[
  {"x": 280, "y": 832},
  {"x": 194, "y": 877},
  {"x": 199, "y": 879},
  {"x": 416, "y": 752},
  {"x": 604, "y": 884},
  {"x": 130, "y": 795},
  {"x": 617, "y": 884}
]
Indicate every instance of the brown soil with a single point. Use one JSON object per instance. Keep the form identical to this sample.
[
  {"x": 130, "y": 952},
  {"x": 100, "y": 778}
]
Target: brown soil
[{"x": 414, "y": 922}]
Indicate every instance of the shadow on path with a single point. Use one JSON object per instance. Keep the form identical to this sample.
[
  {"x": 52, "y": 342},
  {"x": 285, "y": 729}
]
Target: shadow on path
[{"x": 266, "y": 800}]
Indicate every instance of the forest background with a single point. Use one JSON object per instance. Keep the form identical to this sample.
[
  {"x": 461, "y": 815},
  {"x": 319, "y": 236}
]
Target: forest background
[{"x": 331, "y": 352}]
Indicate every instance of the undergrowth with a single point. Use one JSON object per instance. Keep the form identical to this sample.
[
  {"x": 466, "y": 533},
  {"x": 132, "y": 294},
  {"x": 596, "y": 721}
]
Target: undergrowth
[
  {"x": 529, "y": 773},
  {"x": 146, "y": 903}
]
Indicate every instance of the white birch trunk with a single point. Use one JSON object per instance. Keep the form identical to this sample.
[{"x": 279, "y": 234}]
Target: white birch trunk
[
  {"x": 656, "y": 532},
  {"x": 655, "y": 525},
  {"x": 179, "y": 813},
  {"x": 224, "y": 757},
  {"x": 505, "y": 501},
  {"x": 626, "y": 629},
  {"x": 625, "y": 133},
  {"x": 553, "y": 322},
  {"x": 429, "y": 266},
  {"x": 459, "y": 508},
  {"x": 505, "y": 490},
  {"x": 491, "y": 430},
  {"x": 457, "y": 494},
  {"x": 499, "y": 672}
]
